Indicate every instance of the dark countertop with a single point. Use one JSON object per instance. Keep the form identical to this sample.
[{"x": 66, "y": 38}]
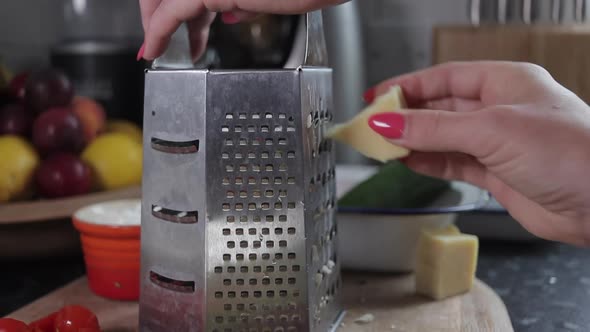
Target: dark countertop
[{"x": 545, "y": 286}]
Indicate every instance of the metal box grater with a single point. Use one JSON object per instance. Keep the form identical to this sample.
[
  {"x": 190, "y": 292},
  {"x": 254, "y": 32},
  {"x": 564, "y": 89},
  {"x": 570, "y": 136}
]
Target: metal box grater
[{"x": 238, "y": 216}]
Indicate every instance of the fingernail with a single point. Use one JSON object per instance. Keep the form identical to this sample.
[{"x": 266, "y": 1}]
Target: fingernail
[
  {"x": 229, "y": 18},
  {"x": 140, "y": 53},
  {"x": 389, "y": 125},
  {"x": 369, "y": 95}
]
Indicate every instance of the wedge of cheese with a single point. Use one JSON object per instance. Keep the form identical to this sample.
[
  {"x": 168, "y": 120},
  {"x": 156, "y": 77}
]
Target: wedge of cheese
[
  {"x": 446, "y": 262},
  {"x": 357, "y": 133}
]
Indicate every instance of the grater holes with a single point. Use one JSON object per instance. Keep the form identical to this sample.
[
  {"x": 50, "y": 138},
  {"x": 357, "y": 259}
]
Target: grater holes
[
  {"x": 256, "y": 193},
  {"x": 174, "y": 216},
  {"x": 278, "y": 256},
  {"x": 231, "y": 244},
  {"x": 291, "y": 281},
  {"x": 291, "y": 180},
  {"x": 240, "y": 307},
  {"x": 278, "y": 129},
  {"x": 225, "y": 181},
  {"x": 270, "y": 244},
  {"x": 257, "y": 269},
  {"x": 266, "y": 256},
  {"x": 256, "y": 219},
  {"x": 230, "y": 219},
  {"x": 278, "y": 281},
  {"x": 226, "y": 257},
  {"x": 225, "y": 129},
  {"x": 239, "y": 206},
  {"x": 251, "y": 206},
  {"x": 252, "y": 257},
  {"x": 291, "y": 205},
  {"x": 269, "y": 193},
  {"x": 282, "y": 141},
  {"x": 278, "y": 154},
  {"x": 256, "y": 141},
  {"x": 243, "y": 219},
  {"x": 252, "y": 231},
  {"x": 270, "y": 269},
  {"x": 255, "y": 116},
  {"x": 270, "y": 294},
  {"x": 225, "y": 155},
  {"x": 256, "y": 244},
  {"x": 290, "y": 129},
  {"x": 243, "y": 168},
  {"x": 282, "y": 115},
  {"x": 230, "y": 194},
  {"x": 282, "y": 167},
  {"x": 238, "y": 129},
  {"x": 239, "y": 181},
  {"x": 231, "y": 294},
  {"x": 243, "y": 194},
  {"x": 182, "y": 286},
  {"x": 257, "y": 294},
  {"x": 251, "y": 155},
  {"x": 229, "y": 142},
  {"x": 229, "y": 116},
  {"x": 282, "y": 218},
  {"x": 265, "y": 180},
  {"x": 268, "y": 115},
  {"x": 265, "y": 231},
  {"x": 283, "y": 293},
  {"x": 291, "y": 230},
  {"x": 278, "y": 206},
  {"x": 283, "y": 243},
  {"x": 238, "y": 155},
  {"x": 251, "y": 129},
  {"x": 265, "y": 281},
  {"x": 253, "y": 281},
  {"x": 283, "y": 268},
  {"x": 265, "y": 206},
  {"x": 244, "y": 294},
  {"x": 218, "y": 295},
  {"x": 278, "y": 231},
  {"x": 240, "y": 257},
  {"x": 295, "y": 268},
  {"x": 218, "y": 269},
  {"x": 229, "y": 168},
  {"x": 226, "y": 231},
  {"x": 231, "y": 269},
  {"x": 227, "y": 282},
  {"x": 242, "y": 116},
  {"x": 244, "y": 269},
  {"x": 264, "y": 129},
  {"x": 243, "y": 244},
  {"x": 243, "y": 141},
  {"x": 239, "y": 231},
  {"x": 227, "y": 307},
  {"x": 278, "y": 180},
  {"x": 268, "y": 141},
  {"x": 270, "y": 218},
  {"x": 291, "y": 154}
]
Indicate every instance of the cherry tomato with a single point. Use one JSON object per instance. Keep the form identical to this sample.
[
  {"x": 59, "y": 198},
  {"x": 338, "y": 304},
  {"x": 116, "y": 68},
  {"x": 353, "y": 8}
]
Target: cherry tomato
[
  {"x": 44, "y": 324},
  {"x": 12, "y": 325},
  {"x": 75, "y": 318}
]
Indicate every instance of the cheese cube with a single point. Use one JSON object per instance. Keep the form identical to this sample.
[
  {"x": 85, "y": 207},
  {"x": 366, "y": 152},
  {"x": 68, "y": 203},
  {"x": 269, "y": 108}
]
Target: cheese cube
[
  {"x": 357, "y": 133},
  {"x": 446, "y": 262}
]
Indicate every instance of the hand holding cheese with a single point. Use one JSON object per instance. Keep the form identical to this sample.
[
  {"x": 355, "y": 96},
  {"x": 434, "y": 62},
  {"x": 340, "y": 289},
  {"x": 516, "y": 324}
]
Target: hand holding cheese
[
  {"x": 361, "y": 137},
  {"x": 507, "y": 127}
]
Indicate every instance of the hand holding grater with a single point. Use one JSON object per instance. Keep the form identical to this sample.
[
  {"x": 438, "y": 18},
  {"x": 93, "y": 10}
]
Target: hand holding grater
[{"x": 238, "y": 215}]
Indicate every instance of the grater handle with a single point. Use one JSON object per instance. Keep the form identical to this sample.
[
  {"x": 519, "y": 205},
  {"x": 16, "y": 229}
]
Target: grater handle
[
  {"x": 178, "y": 52},
  {"x": 309, "y": 48}
]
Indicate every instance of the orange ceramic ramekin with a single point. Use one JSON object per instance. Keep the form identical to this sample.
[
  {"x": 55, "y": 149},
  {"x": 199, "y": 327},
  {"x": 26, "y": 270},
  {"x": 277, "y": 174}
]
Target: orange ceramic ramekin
[{"x": 110, "y": 236}]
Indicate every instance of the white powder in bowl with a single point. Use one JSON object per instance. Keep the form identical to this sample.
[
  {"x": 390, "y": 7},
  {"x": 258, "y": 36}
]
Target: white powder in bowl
[{"x": 114, "y": 213}]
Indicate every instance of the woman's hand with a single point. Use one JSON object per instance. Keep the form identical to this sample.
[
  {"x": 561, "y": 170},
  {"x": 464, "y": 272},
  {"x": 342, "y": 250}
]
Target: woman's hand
[
  {"x": 161, "y": 18},
  {"x": 507, "y": 127}
]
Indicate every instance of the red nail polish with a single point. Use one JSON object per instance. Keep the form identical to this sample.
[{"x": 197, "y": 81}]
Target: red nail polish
[
  {"x": 369, "y": 95},
  {"x": 229, "y": 18},
  {"x": 389, "y": 125},
  {"x": 140, "y": 53}
]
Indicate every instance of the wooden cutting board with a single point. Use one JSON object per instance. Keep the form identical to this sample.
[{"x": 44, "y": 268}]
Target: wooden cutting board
[
  {"x": 563, "y": 50},
  {"x": 389, "y": 298}
]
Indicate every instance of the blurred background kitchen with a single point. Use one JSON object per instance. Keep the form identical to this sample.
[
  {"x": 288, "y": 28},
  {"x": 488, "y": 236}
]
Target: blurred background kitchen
[{"x": 94, "y": 42}]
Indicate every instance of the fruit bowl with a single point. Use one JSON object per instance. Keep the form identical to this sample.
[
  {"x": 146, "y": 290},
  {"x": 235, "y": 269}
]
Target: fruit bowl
[{"x": 43, "y": 228}]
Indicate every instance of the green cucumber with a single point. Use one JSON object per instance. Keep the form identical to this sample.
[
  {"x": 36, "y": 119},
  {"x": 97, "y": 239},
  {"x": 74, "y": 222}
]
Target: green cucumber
[{"x": 395, "y": 186}]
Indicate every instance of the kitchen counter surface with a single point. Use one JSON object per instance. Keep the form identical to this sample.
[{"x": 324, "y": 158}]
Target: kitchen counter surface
[{"x": 545, "y": 286}]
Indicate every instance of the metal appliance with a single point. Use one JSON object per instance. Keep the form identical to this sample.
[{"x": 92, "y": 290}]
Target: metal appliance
[{"x": 238, "y": 215}]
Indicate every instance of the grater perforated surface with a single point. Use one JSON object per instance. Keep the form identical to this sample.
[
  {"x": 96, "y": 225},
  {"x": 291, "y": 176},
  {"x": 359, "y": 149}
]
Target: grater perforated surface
[{"x": 238, "y": 215}]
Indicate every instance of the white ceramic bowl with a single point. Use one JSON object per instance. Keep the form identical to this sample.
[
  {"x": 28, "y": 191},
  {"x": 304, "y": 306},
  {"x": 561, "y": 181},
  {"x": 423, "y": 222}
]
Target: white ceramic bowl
[{"x": 385, "y": 240}]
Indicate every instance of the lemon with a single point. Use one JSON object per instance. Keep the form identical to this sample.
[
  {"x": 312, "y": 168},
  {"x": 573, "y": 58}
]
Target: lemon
[
  {"x": 125, "y": 127},
  {"x": 116, "y": 160},
  {"x": 18, "y": 162}
]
